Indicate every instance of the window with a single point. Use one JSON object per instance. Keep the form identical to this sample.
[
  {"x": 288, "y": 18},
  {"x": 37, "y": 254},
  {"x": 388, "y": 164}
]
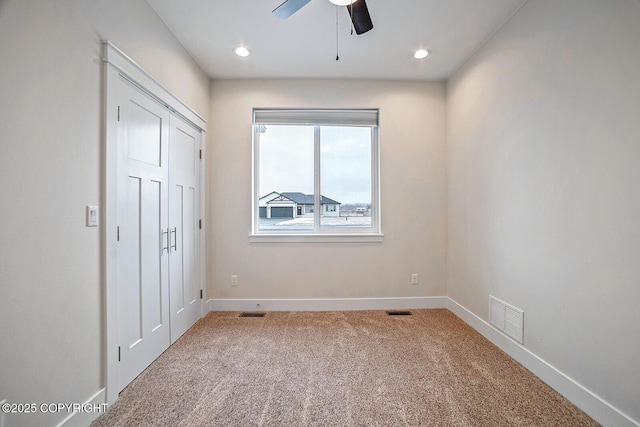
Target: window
[{"x": 315, "y": 174}]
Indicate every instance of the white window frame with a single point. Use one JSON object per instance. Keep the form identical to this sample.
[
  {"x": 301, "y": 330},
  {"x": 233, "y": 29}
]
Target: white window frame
[{"x": 318, "y": 117}]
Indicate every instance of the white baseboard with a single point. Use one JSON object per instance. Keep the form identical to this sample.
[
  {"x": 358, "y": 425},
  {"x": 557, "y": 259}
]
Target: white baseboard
[
  {"x": 326, "y": 304},
  {"x": 92, "y": 409},
  {"x": 596, "y": 407}
]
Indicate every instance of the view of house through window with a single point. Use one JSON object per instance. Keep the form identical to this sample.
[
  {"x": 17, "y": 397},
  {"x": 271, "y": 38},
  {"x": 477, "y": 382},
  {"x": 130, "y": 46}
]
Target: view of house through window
[{"x": 317, "y": 177}]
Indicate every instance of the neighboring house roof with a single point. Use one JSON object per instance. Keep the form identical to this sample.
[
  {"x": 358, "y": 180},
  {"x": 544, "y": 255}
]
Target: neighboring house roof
[
  {"x": 272, "y": 196},
  {"x": 307, "y": 199},
  {"x": 303, "y": 199},
  {"x": 273, "y": 193}
]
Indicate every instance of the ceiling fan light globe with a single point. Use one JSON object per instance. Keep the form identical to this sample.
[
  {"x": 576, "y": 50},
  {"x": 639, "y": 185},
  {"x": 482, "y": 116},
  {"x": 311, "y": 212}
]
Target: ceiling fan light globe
[{"x": 342, "y": 2}]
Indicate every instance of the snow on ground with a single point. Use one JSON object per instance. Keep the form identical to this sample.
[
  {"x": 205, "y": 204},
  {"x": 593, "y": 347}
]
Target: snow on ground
[{"x": 307, "y": 222}]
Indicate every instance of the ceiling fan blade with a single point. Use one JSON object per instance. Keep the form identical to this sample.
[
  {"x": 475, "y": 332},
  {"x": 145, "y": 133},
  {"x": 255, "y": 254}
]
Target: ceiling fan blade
[
  {"x": 288, "y": 8},
  {"x": 360, "y": 16}
]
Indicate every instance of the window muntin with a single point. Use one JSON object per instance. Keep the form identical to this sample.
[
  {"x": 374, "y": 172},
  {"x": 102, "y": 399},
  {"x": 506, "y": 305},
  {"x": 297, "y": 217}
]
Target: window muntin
[{"x": 315, "y": 172}]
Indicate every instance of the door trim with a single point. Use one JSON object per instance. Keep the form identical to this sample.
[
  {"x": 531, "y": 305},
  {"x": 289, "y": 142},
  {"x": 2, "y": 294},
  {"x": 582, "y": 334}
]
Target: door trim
[
  {"x": 117, "y": 64},
  {"x": 129, "y": 69}
]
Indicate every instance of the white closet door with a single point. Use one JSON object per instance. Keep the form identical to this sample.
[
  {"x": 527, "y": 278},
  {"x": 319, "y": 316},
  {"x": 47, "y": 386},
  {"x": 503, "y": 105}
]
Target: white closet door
[
  {"x": 143, "y": 213},
  {"x": 184, "y": 269}
]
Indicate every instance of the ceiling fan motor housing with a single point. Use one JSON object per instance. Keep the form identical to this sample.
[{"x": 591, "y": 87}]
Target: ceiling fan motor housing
[{"x": 358, "y": 11}]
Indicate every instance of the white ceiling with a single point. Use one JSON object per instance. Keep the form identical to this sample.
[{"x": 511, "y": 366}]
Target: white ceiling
[{"x": 304, "y": 46}]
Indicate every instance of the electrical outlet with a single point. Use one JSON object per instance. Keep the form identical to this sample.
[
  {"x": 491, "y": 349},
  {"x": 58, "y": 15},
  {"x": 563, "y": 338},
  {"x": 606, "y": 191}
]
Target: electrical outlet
[
  {"x": 234, "y": 280},
  {"x": 414, "y": 279}
]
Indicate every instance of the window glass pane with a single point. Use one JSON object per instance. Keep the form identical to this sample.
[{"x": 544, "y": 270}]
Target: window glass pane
[
  {"x": 285, "y": 183},
  {"x": 345, "y": 177},
  {"x": 302, "y": 152}
]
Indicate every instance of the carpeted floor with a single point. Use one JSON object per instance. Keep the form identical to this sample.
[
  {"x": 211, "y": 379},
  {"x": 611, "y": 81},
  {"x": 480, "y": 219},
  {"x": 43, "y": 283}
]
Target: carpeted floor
[{"x": 361, "y": 368}]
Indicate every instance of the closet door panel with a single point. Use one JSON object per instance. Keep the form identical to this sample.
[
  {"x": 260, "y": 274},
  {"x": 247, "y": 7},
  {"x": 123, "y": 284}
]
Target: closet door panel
[
  {"x": 184, "y": 177},
  {"x": 143, "y": 215}
]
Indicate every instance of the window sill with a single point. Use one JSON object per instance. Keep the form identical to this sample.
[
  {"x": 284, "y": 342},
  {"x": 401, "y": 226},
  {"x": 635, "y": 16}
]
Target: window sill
[{"x": 316, "y": 238}]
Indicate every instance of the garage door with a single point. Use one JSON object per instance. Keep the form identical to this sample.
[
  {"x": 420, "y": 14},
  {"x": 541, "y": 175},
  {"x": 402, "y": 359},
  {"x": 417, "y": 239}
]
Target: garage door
[
  {"x": 282, "y": 212},
  {"x": 263, "y": 211}
]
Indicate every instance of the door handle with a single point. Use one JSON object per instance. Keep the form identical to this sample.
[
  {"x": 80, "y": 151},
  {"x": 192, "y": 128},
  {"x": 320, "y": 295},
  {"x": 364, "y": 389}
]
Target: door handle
[
  {"x": 175, "y": 238},
  {"x": 165, "y": 238}
]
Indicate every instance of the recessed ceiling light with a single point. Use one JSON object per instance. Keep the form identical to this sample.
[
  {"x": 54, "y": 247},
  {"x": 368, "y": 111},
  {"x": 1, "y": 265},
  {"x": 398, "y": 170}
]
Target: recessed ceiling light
[
  {"x": 421, "y": 53},
  {"x": 241, "y": 51},
  {"x": 342, "y": 2}
]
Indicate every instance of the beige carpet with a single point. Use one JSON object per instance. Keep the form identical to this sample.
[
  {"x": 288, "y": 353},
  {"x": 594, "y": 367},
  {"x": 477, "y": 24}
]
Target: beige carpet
[{"x": 360, "y": 368}]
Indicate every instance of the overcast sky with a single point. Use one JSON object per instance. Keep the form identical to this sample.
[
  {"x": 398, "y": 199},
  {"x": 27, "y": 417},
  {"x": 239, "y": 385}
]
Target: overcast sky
[{"x": 286, "y": 161}]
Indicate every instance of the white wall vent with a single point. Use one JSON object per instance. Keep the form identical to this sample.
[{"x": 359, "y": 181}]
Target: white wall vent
[{"x": 506, "y": 318}]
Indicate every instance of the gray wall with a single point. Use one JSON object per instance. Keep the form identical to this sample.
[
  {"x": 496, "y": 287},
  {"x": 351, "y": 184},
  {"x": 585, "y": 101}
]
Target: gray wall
[
  {"x": 543, "y": 145},
  {"x": 413, "y": 196},
  {"x": 51, "y": 324}
]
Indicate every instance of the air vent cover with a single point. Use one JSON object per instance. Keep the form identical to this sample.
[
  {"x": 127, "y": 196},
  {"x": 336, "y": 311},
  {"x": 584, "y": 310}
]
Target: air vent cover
[
  {"x": 507, "y": 318},
  {"x": 252, "y": 314},
  {"x": 399, "y": 313}
]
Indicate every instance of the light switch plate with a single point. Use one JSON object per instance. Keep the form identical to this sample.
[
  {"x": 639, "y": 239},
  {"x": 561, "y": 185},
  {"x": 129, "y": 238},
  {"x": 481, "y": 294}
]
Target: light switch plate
[{"x": 93, "y": 219}]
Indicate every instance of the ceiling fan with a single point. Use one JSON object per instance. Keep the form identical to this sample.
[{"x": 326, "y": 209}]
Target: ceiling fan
[{"x": 357, "y": 10}]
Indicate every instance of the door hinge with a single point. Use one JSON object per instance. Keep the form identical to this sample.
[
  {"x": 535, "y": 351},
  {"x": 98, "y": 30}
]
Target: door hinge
[
  {"x": 117, "y": 233},
  {"x": 118, "y": 113},
  {"x": 201, "y": 295},
  {"x": 118, "y": 353},
  {"x": 200, "y": 224},
  {"x": 200, "y": 154}
]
